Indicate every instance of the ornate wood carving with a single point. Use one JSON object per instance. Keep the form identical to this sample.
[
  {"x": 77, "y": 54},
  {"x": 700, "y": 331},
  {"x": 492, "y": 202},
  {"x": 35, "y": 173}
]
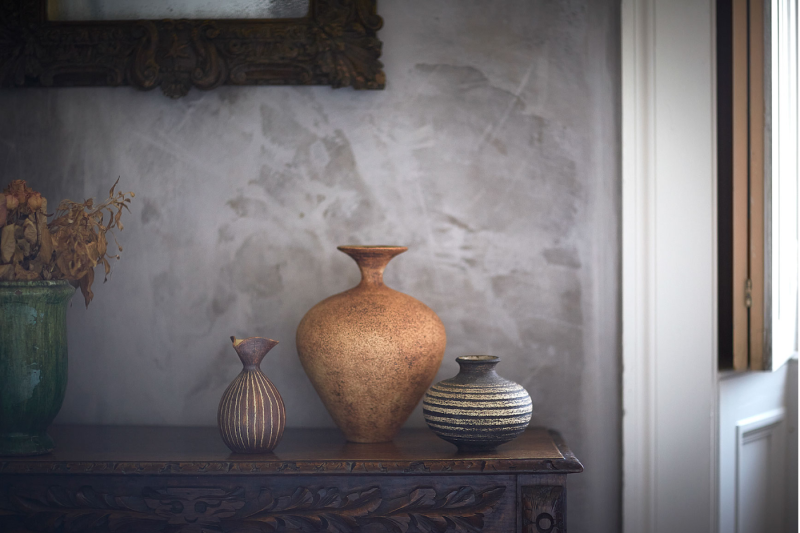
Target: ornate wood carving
[
  {"x": 543, "y": 509},
  {"x": 196, "y": 509},
  {"x": 335, "y": 45}
]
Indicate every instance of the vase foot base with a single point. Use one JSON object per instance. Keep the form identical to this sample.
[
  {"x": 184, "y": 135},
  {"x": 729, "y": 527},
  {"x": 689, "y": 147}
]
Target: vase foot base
[
  {"x": 380, "y": 439},
  {"x": 476, "y": 447},
  {"x": 25, "y": 443}
]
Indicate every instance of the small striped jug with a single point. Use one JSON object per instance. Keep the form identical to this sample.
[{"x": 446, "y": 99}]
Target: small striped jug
[
  {"x": 251, "y": 415},
  {"x": 477, "y": 410}
]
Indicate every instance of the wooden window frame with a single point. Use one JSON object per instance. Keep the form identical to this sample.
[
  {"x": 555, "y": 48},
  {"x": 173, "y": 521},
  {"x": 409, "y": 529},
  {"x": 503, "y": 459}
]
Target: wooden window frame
[{"x": 757, "y": 121}]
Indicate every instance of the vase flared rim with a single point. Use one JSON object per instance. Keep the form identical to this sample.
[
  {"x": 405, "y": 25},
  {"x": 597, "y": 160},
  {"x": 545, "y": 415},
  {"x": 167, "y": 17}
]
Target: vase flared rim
[
  {"x": 478, "y": 359},
  {"x": 238, "y": 341},
  {"x": 371, "y": 247}
]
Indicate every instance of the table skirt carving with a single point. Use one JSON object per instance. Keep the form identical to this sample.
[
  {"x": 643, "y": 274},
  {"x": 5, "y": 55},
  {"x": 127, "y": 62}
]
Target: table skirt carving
[{"x": 127, "y": 496}]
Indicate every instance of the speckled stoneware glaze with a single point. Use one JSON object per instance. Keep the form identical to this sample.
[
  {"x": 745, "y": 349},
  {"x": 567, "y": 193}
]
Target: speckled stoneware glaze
[
  {"x": 371, "y": 351},
  {"x": 33, "y": 362},
  {"x": 477, "y": 410},
  {"x": 251, "y": 415}
]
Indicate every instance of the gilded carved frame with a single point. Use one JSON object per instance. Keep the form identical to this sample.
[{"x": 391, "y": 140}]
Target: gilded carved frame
[{"x": 335, "y": 45}]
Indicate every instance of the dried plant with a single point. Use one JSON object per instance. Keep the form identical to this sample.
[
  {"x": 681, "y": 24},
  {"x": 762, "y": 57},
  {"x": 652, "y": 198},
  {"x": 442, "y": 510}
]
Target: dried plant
[{"x": 69, "y": 247}]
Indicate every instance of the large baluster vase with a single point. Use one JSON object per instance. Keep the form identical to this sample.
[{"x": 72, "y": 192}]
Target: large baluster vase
[{"x": 371, "y": 351}]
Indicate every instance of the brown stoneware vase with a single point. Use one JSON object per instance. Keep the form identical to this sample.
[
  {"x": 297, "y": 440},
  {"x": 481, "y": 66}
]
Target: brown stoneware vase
[
  {"x": 251, "y": 415},
  {"x": 371, "y": 351}
]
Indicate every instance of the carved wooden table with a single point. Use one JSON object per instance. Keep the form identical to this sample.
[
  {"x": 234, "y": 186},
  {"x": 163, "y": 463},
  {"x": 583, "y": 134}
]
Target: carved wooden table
[{"x": 142, "y": 479}]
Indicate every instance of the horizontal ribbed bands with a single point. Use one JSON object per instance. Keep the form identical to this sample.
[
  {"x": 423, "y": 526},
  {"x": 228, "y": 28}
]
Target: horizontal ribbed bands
[
  {"x": 479, "y": 422},
  {"x": 435, "y": 402},
  {"x": 478, "y": 388},
  {"x": 510, "y": 394},
  {"x": 477, "y": 415}
]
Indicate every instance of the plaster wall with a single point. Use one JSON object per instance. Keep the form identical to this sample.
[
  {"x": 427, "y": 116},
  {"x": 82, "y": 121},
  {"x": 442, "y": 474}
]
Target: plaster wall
[{"x": 493, "y": 154}]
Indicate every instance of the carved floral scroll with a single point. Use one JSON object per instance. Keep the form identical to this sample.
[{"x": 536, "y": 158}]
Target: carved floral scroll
[{"x": 301, "y": 509}]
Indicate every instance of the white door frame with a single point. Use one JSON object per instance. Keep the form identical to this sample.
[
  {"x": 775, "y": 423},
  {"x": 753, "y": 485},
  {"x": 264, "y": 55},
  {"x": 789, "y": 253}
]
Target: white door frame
[{"x": 669, "y": 266}]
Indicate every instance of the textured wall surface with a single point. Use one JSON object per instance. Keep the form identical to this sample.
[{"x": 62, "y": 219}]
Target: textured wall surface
[{"x": 493, "y": 154}]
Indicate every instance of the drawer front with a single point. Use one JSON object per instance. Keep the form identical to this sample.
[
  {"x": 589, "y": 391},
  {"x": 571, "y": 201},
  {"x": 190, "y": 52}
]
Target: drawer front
[{"x": 251, "y": 504}]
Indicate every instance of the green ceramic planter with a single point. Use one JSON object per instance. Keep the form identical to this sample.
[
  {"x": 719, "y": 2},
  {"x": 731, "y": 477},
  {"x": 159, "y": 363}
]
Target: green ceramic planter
[{"x": 33, "y": 362}]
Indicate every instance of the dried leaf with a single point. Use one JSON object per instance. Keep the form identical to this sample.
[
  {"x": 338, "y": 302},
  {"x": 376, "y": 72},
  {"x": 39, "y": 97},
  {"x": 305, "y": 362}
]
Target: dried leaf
[
  {"x": 35, "y": 202},
  {"x": 29, "y": 232},
  {"x": 70, "y": 246},
  {"x": 6, "y": 272},
  {"x": 20, "y": 274},
  {"x": 63, "y": 265},
  {"x": 86, "y": 286},
  {"x": 37, "y": 265},
  {"x": 91, "y": 254},
  {"x": 102, "y": 244},
  {"x": 59, "y": 221},
  {"x": 25, "y": 246},
  {"x": 7, "y": 243},
  {"x": 22, "y": 200},
  {"x": 46, "y": 239}
]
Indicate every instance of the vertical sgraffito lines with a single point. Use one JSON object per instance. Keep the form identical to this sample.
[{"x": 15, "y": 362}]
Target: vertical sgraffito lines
[
  {"x": 274, "y": 410},
  {"x": 251, "y": 415}
]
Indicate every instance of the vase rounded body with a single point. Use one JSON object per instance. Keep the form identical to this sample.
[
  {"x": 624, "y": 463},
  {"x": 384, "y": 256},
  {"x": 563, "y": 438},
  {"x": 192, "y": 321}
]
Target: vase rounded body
[
  {"x": 33, "y": 362},
  {"x": 477, "y": 410},
  {"x": 371, "y": 351},
  {"x": 251, "y": 415}
]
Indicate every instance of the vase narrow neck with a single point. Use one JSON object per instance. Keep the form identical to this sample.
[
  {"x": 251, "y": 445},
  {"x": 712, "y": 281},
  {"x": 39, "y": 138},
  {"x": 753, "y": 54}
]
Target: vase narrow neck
[
  {"x": 252, "y": 350},
  {"x": 481, "y": 365},
  {"x": 372, "y": 261}
]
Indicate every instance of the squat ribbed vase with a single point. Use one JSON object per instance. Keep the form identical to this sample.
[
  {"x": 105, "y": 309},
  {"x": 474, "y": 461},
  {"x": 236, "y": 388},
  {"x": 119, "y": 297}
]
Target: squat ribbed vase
[
  {"x": 477, "y": 410},
  {"x": 251, "y": 415}
]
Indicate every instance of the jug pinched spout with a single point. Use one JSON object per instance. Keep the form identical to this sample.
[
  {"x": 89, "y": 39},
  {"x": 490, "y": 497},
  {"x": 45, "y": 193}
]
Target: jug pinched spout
[{"x": 252, "y": 350}]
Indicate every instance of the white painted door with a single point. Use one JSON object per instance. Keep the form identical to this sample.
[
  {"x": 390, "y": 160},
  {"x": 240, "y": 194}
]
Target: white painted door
[{"x": 758, "y": 451}]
